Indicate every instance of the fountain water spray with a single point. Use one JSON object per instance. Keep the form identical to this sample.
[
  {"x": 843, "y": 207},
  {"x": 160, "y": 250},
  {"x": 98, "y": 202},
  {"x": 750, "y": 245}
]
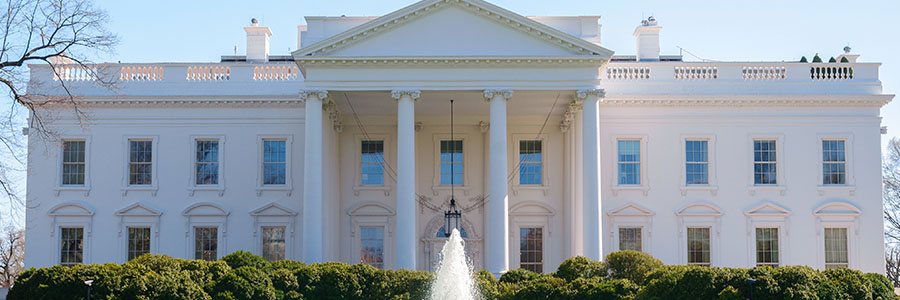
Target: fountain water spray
[{"x": 454, "y": 279}]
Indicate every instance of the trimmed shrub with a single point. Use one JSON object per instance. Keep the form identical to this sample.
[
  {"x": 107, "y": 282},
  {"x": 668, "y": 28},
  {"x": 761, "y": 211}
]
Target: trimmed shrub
[
  {"x": 817, "y": 59},
  {"x": 287, "y": 264},
  {"x": 844, "y": 59},
  {"x": 631, "y": 265},
  {"x": 244, "y": 283},
  {"x": 832, "y": 60},
  {"x": 240, "y": 258},
  {"x": 803, "y": 59},
  {"x": 580, "y": 267},
  {"x": 518, "y": 276}
]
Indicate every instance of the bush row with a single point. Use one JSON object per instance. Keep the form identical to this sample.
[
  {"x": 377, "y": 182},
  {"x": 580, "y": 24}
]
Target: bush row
[{"x": 624, "y": 275}]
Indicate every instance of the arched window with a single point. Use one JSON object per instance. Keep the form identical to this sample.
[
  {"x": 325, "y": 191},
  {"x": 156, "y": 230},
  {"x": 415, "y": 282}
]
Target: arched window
[{"x": 442, "y": 233}]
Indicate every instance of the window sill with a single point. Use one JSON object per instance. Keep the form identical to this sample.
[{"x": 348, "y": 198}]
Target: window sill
[
  {"x": 383, "y": 188},
  {"x": 211, "y": 188},
  {"x": 140, "y": 188},
  {"x": 446, "y": 187},
  {"x": 711, "y": 189},
  {"x": 274, "y": 188},
  {"x": 73, "y": 188},
  {"x": 836, "y": 188},
  {"x": 642, "y": 188},
  {"x": 530, "y": 187},
  {"x": 766, "y": 188}
]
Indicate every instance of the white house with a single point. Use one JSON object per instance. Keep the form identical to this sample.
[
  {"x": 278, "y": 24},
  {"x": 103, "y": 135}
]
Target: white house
[{"x": 343, "y": 151}]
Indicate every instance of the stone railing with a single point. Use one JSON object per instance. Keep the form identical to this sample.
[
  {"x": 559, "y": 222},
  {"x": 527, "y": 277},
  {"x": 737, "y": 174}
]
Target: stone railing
[
  {"x": 174, "y": 72},
  {"x": 276, "y": 72},
  {"x": 696, "y": 72},
  {"x": 628, "y": 73}
]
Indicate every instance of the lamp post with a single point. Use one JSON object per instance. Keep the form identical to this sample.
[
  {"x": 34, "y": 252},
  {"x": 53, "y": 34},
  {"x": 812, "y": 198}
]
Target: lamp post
[
  {"x": 452, "y": 216},
  {"x": 750, "y": 282},
  {"x": 89, "y": 283}
]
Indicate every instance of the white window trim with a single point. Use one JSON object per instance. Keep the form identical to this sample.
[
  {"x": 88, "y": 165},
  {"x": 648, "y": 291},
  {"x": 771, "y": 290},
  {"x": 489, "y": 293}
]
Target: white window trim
[
  {"x": 274, "y": 214},
  {"x": 82, "y": 216},
  {"x": 86, "y": 187},
  {"x": 849, "y": 186},
  {"x": 218, "y": 218},
  {"x": 780, "y": 168},
  {"x": 436, "y": 185},
  {"x": 838, "y": 215},
  {"x": 712, "y": 186},
  {"x": 644, "y": 187},
  {"x": 85, "y": 243},
  {"x": 153, "y": 187},
  {"x": 532, "y": 214},
  {"x": 372, "y": 214},
  {"x": 631, "y": 215},
  {"x": 516, "y": 187},
  {"x": 763, "y": 217},
  {"x": 388, "y": 154},
  {"x": 149, "y": 217},
  {"x": 192, "y": 185},
  {"x": 709, "y": 216},
  {"x": 287, "y": 187},
  {"x": 192, "y": 242}
]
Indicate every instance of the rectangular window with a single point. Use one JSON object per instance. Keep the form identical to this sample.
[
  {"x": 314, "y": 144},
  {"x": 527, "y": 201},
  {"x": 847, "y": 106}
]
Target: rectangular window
[
  {"x": 206, "y": 243},
  {"x": 138, "y": 241},
  {"x": 73, "y": 163},
  {"x": 698, "y": 246},
  {"x": 140, "y": 162},
  {"x": 530, "y": 162},
  {"x": 273, "y": 243},
  {"x": 371, "y": 251},
  {"x": 629, "y": 155},
  {"x": 531, "y": 249},
  {"x": 274, "y": 162},
  {"x": 834, "y": 163},
  {"x": 764, "y": 162},
  {"x": 372, "y": 163},
  {"x": 696, "y": 161},
  {"x": 207, "y": 163},
  {"x": 630, "y": 239},
  {"x": 767, "y": 246},
  {"x": 451, "y": 162},
  {"x": 836, "y": 253},
  {"x": 71, "y": 245}
]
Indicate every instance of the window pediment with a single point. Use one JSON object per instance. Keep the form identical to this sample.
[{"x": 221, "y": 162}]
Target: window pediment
[
  {"x": 836, "y": 209},
  {"x": 139, "y": 209},
  {"x": 768, "y": 209},
  {"x": 631, "y": 209},
  {"x": 531, "y": 208},
  {"x": 699, "y": 209},
  {"x": 205, "y": 209},
  {"x": 71, "y": 209},
  {"x": 273, "y": 209},
  {"x": 370, "y": 209}
]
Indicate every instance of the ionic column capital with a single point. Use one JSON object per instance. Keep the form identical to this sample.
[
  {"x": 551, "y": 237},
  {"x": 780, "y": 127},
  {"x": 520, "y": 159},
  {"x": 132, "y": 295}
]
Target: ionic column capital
[
  {"x": 489, "y": 94},
  {"x": 584, "y": 93},
  {"x": 321, "y": 94},
  {"x": 414, "y": 94}
]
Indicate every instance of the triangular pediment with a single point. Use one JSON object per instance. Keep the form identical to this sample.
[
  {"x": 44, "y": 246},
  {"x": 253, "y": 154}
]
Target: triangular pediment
[
  {"x": 631, "y": 209},
  {"x": 139, "y": 209},
  {"x": 273, "y": 209},
  {"x": 768, "y": 209},
  {"x": 452, "y": 28}
]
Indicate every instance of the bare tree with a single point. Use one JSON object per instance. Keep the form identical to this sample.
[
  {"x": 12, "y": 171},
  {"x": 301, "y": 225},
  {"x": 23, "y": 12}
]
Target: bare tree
[
  {"x": 12, "y": 255},
  {"x": 58, "y": 33},
  {"x": 891, "y": 182}
]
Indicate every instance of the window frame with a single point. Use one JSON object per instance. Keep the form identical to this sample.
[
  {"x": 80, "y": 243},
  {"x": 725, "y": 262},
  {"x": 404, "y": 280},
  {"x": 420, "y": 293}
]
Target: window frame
[
  {"x": 372, "y": 214},
  {"x": 127, "y": 238},
  {"x": 631, "y": 215},
  {"x": 59, "y": 243},
  {"x": 153, "y": 187},
  {"x": 192, "y": 184},
  {"x": 618, "y": 237},
  {"x": 825, "y": 248},
  {"x": 288, "y": 164},
  {"x": 193, "y": 239},
  {"x": 543, "y": 241},
  {"x": 700, "y": 214},
  {"x": 464, "y": 186},
  {"x": 262, "y": 239},
  {"x": 358, "y": 187},
  {"x": 644, "y": 185},
  {"x": 767, "y": 215},
  {"x": 688, "y": 245},
  {"x": 384, "y": 246},
  {"x": 84, "y": 188},
  {"x": 849, "y": 186},
  {"x": 838, "y": 214},
  {"x": 780, "y": 169},
  {"x": 544, "y": 187},
  {"x": 531, "y": 214},
  {"x": 712, "y": 183},
  {"x": 779, "y": 239}
]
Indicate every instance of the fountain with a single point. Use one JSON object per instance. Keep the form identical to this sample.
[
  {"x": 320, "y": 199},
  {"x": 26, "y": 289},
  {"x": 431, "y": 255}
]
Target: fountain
[{"x": 454, "y": 279}]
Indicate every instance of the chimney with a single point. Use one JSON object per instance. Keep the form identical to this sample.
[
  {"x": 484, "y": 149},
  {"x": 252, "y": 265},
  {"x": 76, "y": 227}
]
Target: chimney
[
  {"x": 851, "y": 57},
  {"x": 647, "y": 37},
  {"x": 257, "y": 42}
]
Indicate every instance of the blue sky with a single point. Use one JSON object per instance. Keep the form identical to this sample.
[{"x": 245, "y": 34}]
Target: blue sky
[{"x": 761, "y": 30}]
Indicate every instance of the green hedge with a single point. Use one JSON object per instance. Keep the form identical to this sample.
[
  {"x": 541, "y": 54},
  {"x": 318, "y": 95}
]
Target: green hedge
[{"x": 624, "y": 275}]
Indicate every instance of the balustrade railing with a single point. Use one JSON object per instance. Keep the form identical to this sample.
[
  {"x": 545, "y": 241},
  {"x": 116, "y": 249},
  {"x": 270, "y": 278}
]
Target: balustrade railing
[
  {"x": 275, "y": 72},
  {"x": 141, "y": 73},
  {"x": 699, "y": 72},
  {"x": 826, "y": 72},
  {"x": 763, "y": 72},
  {"x": 74, "y": 73},
  {"x": 208, "y": 73},
  {"x": 637, "y": 72}
]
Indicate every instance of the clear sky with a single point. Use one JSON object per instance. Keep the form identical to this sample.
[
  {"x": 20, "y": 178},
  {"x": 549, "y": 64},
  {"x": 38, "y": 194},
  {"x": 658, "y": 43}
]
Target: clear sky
[{"x": 760, "y": 30}]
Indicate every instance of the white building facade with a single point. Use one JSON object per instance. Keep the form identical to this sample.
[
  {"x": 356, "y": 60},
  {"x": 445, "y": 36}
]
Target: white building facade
[{"x": 343, "y": 151}]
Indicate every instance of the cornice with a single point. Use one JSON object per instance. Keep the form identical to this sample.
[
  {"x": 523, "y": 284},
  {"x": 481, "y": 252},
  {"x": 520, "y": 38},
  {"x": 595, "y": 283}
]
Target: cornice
[
  {"x": 422, "y": 8},
  {"x": 746, "y": 100},
  {"x": 360, "y": 61}
]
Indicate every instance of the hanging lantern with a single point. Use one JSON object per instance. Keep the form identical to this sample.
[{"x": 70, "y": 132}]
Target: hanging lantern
[{"x": 452, "y": 219}]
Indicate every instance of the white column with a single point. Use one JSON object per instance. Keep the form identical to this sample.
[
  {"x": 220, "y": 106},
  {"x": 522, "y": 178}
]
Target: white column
[
  {"x": 498, "y": 245},
  {"x": 313, "y": 239},
  {"x": 593, "y": 243},
  {"x": 406, "y": 178}
]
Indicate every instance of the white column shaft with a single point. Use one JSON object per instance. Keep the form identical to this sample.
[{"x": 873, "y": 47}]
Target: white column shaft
[
  {"x": 591, "y": 149},
  {"x": 498, "y": 247},
  {"x": 406, "y": 182},
  {"x": 313, "y": 238}
]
